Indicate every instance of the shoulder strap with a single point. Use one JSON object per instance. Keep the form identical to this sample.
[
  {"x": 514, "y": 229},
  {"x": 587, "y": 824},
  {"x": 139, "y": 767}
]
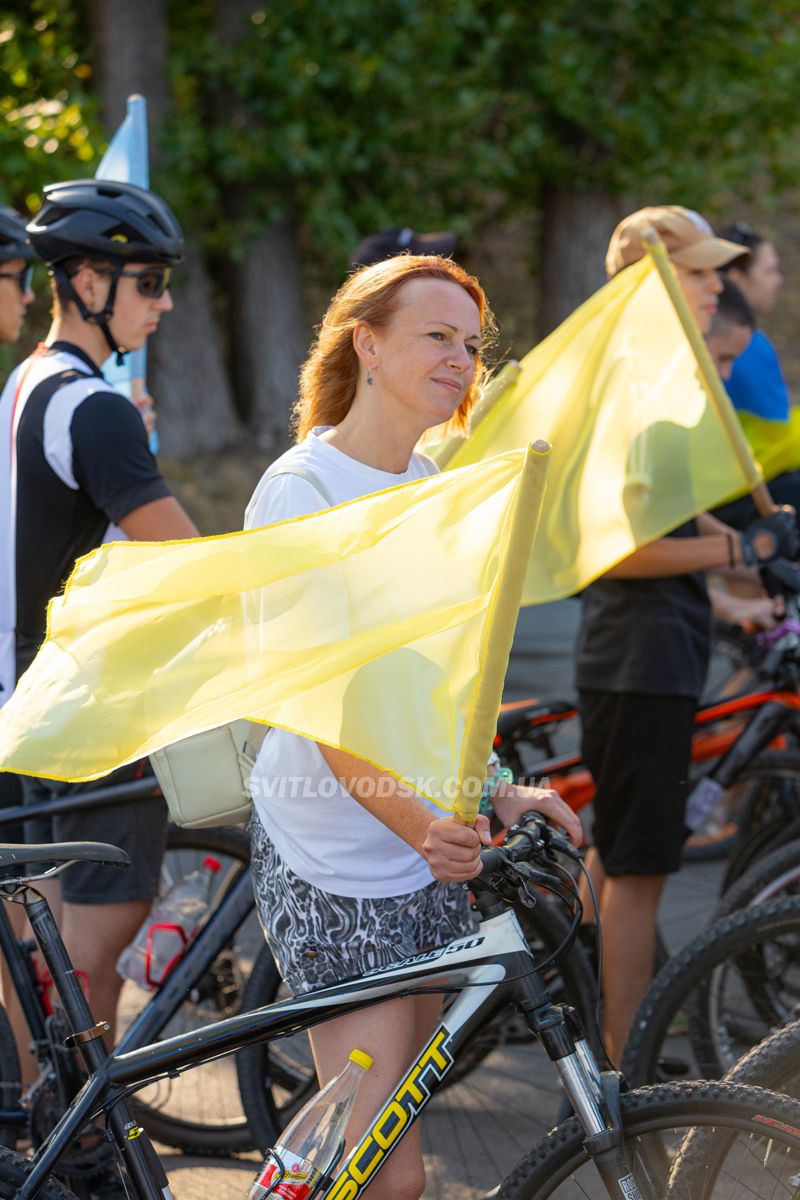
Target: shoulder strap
[{"x": 311, "y": 479}]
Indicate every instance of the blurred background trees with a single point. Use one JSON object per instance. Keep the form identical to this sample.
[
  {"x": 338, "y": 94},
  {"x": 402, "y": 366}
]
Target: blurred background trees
[{"x": 283, "y": 133}]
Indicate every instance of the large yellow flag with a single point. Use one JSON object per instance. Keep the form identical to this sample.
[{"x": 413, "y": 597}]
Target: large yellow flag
[
  {"x": 367, "y": 626},
  {"x": 640, "y": 441}
]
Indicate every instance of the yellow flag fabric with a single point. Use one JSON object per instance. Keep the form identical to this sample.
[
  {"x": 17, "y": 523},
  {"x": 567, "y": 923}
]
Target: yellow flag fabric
[
  {"x": 775, "y": 444},
  {"x": 365, "y": 626},
  {"x": 638, "y": 446}
]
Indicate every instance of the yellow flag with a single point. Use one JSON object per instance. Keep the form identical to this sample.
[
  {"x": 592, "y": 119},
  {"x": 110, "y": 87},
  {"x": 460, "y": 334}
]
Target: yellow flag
[
  {"x": 775, "y": 444},
  {"x": 366, "y": 626},
  {"x": 638, "y": 443}
]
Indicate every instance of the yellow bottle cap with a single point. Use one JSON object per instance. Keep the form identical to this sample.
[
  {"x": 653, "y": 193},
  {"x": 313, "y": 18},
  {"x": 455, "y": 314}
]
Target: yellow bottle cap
[{"x": 361, "y": 1058}]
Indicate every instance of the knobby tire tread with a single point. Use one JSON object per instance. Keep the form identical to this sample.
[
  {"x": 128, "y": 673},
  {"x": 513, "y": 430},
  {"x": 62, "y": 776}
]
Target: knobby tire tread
[
  {"x": 683, "y": 973},
  {"x": 562, "y": 1150}
]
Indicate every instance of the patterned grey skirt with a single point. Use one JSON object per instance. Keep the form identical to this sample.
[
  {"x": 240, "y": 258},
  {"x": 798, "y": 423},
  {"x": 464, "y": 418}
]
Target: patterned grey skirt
[{"x": 319, "y": 939}]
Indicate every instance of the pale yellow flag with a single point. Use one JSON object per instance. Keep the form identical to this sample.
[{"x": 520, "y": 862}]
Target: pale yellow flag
[
  {"x": 638, "y": 442},
  {"x": 366, "y": 626}
]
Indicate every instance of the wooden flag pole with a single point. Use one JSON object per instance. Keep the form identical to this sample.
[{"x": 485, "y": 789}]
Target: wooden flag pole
[
  {"x": 713, "y": 384},
  {"x": 502, "y": 620}
]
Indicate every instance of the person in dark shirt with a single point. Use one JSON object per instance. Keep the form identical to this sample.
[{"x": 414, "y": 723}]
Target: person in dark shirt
[
  {"x": 83, "y": 473},
  {"x": 642, "y": 655}
]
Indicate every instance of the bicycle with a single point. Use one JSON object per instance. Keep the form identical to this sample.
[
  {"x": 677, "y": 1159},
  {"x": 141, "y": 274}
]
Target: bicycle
[
  {"x": 209, "y": 981},
  {"x": 226, "y": 969},
  {"x": 744, "y": 749},
  {"x": 687, "y": 1141},
  {"x": 720, "y": 995}
]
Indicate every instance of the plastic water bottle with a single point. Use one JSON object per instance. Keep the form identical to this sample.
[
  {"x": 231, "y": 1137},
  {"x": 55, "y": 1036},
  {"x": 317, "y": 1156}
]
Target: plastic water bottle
[
  {"x": 310, "y": 1143},
  {"x": 701, "y": 802},
  {"x": 169, "y": 928}
]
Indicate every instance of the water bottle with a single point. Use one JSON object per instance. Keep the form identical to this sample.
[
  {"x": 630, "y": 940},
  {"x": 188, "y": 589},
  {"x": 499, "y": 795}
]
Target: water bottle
[
  {"x": 701, "y": 802},
  {"x": 169, "y": 928},
  {"x": 309, "y": 1145}
]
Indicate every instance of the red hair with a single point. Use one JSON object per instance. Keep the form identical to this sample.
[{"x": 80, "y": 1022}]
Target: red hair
[{"x": 330, "y": 373}]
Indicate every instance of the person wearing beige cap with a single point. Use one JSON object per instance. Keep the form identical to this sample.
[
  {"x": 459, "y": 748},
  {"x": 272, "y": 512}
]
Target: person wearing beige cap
[{"x": 642, "y": 654}]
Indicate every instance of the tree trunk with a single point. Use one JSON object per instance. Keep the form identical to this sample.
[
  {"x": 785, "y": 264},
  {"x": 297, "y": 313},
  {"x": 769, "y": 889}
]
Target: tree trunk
[
  {"x": 268, "y": 337},
  {"x": 267, "y": 333},
  {"x": 186, "y": 367},
  {"x": 575, "y": 233}
]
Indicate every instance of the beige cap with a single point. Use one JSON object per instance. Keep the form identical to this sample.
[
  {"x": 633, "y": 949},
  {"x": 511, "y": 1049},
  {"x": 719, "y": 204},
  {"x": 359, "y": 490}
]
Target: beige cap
[{"x": 688, "y": 237}]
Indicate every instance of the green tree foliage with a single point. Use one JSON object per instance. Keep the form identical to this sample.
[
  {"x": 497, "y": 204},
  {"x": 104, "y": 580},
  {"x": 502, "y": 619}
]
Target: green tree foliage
[
  {"x": 47, "y": 112},
  {"x": 353, "y": 116},
  {"x": 656, "y": 98}
]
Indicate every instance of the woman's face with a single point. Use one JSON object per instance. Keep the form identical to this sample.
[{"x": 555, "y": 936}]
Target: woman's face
[
  {"x": 425, "y": 358},
  {"x": 762, "y": 281},
  {"x": 700, "y": 286}
]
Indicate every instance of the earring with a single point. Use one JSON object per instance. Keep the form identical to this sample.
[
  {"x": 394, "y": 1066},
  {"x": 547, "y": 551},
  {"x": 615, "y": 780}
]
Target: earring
[{"x": 370, "y": 380}]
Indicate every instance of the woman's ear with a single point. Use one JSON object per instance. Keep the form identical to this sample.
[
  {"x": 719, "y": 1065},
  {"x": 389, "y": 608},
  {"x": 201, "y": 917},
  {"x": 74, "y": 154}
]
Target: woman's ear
[{"x": 365, "y": 344}]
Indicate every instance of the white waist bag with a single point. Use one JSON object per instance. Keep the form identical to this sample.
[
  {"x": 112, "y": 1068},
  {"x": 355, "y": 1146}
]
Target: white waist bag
[{"x": 205, "y": 778}]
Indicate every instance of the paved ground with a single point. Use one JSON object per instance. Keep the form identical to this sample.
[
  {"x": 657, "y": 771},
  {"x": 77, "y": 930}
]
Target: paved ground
[{"x": 474, "y": 1132}]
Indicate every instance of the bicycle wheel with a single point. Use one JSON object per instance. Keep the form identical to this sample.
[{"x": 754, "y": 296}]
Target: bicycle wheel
[
  {"x": 769, "y": 797},
  {"x": 14, "y": 1168},
  {"x": 720, "y": 995},
  {"x": 773, "y": 1063},
  {"x": 9, "y": 1079},
  {"x": 692, "y": 1141},
  {"x": 203, "y": 1115},
  {"x": 776, "y": 874},
  {"x": 276, "y": 1078}
]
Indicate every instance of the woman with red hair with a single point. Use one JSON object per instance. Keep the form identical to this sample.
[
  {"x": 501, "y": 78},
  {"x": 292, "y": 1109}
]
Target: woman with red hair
[{"x": 353, "y": 870}]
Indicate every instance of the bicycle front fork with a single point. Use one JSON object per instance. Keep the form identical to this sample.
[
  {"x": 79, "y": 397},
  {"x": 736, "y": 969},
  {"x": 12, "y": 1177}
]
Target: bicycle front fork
[{"x": 594, "y": 1095}]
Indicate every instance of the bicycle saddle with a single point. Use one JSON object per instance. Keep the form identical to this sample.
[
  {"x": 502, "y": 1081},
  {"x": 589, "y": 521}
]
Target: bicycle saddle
[
  {"x": 531, "y": 712},
  {"x": 12, "y": 855}
]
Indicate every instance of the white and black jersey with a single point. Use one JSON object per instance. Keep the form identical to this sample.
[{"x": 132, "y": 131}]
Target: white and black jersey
[{"x": 76, "y": 460}]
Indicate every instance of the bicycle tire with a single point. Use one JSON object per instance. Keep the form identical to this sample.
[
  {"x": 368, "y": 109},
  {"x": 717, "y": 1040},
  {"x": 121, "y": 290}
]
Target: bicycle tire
[
  {"x": 719, "y": 1116},
  {"x": 10, "y": 1079},
  {"x": 276, "y": 1079},
  {"x": 770, "y": 812},
  {"x": 766, "y": 879},
  {"x": 773, "y": 1063},
  {"x": 13, "y": 1170},
  {"x": 682, "y": 986},
  {"x": 205, "y": 1117}
]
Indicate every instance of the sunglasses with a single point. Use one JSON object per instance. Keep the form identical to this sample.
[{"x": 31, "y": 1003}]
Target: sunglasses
[
  {"x": 24, "y": 278},
  {"x": 151, "y": 282}
]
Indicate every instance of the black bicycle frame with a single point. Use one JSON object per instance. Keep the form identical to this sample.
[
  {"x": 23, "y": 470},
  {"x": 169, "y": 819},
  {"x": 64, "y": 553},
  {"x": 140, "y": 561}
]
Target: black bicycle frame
[
  {"x": 489, "y": 970},
  {"x": 229, "y": 914}
]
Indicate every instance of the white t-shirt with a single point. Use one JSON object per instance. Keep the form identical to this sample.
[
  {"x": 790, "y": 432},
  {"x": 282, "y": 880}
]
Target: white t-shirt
[{"x": 323, "y": 834}]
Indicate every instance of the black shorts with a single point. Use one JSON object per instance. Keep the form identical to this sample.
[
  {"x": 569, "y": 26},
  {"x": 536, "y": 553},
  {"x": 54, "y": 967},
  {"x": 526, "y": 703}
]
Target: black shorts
[
  {"x": 138, "y": 826},
  {"x": 638, "y": 748},
  {"x": 11, "y": 797}
]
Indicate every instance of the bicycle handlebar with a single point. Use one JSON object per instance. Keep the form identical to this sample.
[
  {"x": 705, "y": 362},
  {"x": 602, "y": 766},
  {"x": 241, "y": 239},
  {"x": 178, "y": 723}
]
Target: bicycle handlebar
[{"x": 530, "y": 839}]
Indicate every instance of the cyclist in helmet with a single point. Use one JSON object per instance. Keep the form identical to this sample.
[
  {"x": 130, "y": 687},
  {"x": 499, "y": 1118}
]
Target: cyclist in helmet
[
  {"x": 83, "y": 472},
  {"x": 16, "y": 272}
]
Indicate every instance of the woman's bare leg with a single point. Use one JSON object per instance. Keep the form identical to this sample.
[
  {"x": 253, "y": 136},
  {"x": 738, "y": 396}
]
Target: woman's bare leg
[{"x": 393, "y": 1033}]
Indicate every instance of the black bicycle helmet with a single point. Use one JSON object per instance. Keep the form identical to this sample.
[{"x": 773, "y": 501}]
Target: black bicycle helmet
[
  {"x": 14, "y": 240},
  {"x": 100, "y": 219},
  {"x": 111, "y": 222}
]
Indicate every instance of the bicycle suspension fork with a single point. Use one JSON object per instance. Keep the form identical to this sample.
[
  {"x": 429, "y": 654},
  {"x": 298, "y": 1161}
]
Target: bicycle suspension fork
[{"x": 593, "y": 1095}]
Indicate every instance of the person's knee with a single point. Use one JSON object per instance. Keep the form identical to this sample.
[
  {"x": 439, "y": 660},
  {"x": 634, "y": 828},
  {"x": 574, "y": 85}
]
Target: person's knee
[{"x": 406, "y": 1182}]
